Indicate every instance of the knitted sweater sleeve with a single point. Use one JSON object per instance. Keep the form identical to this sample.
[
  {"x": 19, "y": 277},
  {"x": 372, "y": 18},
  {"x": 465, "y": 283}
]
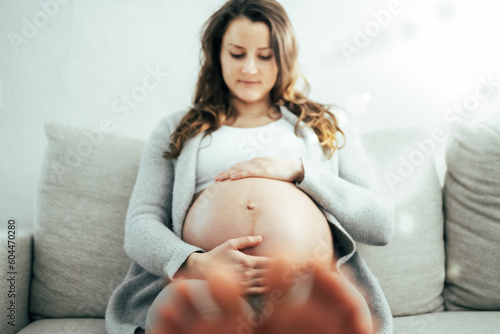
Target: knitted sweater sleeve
[
  {"x": 149, "y": 239},
  {"x": 367, "y": 215}
]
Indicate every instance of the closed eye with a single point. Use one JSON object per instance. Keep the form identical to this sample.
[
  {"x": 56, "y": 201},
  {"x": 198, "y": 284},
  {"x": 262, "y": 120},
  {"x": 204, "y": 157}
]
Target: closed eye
[{"x": 241, "y": 56}]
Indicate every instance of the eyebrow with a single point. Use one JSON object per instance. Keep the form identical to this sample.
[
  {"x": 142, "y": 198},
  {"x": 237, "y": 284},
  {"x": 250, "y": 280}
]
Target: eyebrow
[{"x": 240, "y": 47}]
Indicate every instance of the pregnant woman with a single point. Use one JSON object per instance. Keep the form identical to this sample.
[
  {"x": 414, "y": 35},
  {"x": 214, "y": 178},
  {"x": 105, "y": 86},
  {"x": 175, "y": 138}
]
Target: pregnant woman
[{"x": 253, "y": 169}]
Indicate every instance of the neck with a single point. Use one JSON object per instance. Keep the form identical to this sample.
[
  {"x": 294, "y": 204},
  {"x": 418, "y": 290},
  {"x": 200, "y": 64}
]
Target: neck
[{"x": 254, "y": 110}]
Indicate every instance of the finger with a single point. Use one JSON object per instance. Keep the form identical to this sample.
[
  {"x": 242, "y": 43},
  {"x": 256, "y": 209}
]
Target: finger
[
  {"x": 228, "y": 172},
  {"x": 258, "y": 289},
  {"x": 244, "y": 242},
  {"x": 259, "y": 273},
  {"x": 263, "y": 263},
  {"x": 251, "y": 278},
  {"x": 222, "y": 176},
  {"x": 241, "y": 174},
  {"x": 246, "y": 270},
  {"x": 259, "y": 281},
  {"x": 255, "y": 285},
  {"x": 256, "y": 262}
]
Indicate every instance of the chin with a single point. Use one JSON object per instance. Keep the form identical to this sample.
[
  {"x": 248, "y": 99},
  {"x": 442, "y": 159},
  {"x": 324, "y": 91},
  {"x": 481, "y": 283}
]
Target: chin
[{"x": 251, "y": 98}]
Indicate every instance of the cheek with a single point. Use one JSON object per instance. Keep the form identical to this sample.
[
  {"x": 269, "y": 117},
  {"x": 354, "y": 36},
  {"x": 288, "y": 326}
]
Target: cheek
[
  {"x": 272, "y": 72},
  {"x": 230, "y": 69}
]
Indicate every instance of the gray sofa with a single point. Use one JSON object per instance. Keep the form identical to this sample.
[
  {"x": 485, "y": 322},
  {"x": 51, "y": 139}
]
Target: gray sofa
[{"x": 440, "y": 272}]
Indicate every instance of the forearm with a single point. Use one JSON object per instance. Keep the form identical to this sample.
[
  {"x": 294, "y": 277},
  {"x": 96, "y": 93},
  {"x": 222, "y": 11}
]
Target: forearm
[
  {"x": 350, "y": 193},
  {"x": 366, "y": 215},
  {"x": 148, "y": 239},
  {"x": 156, "y": 248}
]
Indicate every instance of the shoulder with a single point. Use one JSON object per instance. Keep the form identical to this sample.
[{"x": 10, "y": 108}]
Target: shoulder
[
  {"x": 173, "y": 119},
  {"x": 169, "y": 123},
  {"x": 166, "y": 126}
]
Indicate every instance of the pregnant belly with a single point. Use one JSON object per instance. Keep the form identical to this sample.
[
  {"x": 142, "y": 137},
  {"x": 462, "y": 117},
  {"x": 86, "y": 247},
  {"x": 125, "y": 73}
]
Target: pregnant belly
[{"x": 285, "y": 217}]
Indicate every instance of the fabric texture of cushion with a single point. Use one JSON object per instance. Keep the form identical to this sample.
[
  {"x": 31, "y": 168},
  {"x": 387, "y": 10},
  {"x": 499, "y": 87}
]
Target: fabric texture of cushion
[
  {"x": 65, "y": 326},
  {"x": 449, "y": 323},
  {"x": 411, "y": 268},
  {"x": 472, "y": 211},
  {"x": 85, "y": 184}
]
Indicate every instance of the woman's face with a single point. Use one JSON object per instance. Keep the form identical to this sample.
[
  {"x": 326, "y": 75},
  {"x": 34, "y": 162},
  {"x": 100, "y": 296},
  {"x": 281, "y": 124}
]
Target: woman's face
[{"x": 248, "y": 65}]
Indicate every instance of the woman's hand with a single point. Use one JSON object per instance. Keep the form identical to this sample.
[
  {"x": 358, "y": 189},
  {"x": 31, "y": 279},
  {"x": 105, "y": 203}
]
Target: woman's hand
[
  {"x": 289, "y": 170},
  {"x": 250, "y": 270}
]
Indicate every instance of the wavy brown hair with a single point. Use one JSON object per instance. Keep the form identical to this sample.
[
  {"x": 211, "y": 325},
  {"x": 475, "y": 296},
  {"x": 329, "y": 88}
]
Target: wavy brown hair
[{"x": 212, "y": 105}]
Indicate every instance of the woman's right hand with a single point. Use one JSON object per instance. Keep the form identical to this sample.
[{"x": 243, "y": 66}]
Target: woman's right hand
[{"x": 250, "y": 270}]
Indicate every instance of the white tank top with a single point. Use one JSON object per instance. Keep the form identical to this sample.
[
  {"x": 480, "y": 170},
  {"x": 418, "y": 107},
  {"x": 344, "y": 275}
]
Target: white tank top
[{"x": 229, "y": 145}]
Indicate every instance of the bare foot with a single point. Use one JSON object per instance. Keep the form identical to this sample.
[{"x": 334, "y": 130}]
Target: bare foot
[
  {"x": 334, "y": 306},
  {"x": 183, "y": 318},
  {"x": 331, "y": 306}
]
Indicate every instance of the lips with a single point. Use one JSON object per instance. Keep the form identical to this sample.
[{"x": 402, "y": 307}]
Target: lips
[{"x": 249, "y": 82}]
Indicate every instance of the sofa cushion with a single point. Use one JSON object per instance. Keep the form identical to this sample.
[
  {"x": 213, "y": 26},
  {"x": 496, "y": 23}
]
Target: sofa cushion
[
  {"x": 65, "y": 326},
  {"x": 83, "y": 191},
  {"x": 472, "y": 211},
  {"x": 449, "y": 323},
  {"x": 411, "y": 268}
]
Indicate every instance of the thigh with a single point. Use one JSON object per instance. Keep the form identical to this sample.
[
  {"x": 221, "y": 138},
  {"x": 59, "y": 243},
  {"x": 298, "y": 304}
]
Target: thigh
[{"x": 200, "y": 296}]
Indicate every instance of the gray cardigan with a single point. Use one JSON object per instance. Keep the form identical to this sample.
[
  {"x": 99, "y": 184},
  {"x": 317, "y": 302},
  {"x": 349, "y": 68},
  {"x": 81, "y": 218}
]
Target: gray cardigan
[{"x": 342, "y": 187}]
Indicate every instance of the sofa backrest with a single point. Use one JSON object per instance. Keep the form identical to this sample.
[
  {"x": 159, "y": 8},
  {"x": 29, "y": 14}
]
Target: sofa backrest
[
  {"x": 472, "y": 213},
  {"x": 83, "y": 192},
  {"x": 411, "y": 268},
  {"x": 82, "y": 198}
]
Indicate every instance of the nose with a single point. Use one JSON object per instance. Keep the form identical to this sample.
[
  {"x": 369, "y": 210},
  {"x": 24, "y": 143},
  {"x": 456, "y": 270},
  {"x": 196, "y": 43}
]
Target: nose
[{"x": 249, "y": 67}]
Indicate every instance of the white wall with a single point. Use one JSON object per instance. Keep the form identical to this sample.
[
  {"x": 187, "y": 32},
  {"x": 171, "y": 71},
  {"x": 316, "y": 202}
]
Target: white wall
[{"x": 76, "y": 66}]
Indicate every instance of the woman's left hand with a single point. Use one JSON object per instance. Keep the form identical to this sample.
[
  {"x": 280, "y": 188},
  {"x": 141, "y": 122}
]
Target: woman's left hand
[{"x": 267, "y": 167}]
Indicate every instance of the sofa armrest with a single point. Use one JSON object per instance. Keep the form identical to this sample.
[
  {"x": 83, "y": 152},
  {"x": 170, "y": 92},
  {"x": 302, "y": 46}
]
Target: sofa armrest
[{"x": 15, "y": 277}]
